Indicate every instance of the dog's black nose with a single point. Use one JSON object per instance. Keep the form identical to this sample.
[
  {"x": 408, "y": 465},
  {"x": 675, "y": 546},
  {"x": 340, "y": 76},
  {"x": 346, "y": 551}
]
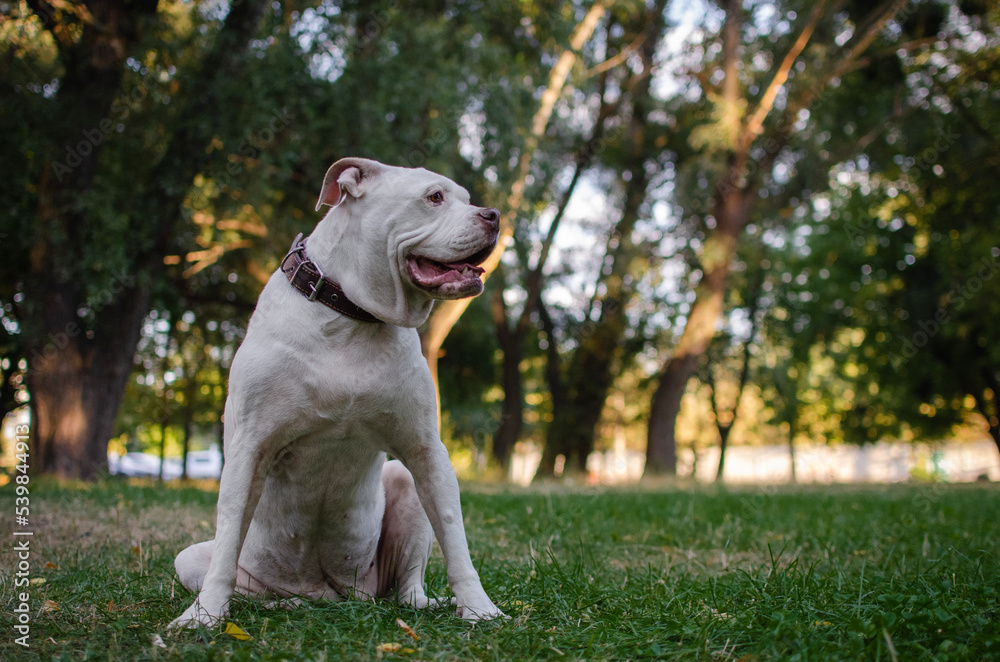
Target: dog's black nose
[{"x": 491, "y": 217}]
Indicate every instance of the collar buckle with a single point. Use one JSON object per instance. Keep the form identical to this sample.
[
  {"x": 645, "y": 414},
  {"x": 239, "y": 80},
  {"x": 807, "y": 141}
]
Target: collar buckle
[{"x": 312, "y": 281}]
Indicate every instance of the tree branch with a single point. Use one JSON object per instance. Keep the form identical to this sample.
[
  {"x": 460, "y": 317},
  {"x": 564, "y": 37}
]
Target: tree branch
[
  {"x": 583, "y": 160},
  {"x": 498, "y": 311},
  {"x": 614, "y": 61},
  {"x": 447, "y": 313},
  {"x": 848, "y": 62},
  {"x": 855, "y": 46},
  {"x": 754, "y": 124},
  {"x": 556, "y": 83}
]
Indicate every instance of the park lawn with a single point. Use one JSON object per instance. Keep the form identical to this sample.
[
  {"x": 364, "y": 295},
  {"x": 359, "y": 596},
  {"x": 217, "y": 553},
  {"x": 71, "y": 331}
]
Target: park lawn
[{"x": 679, "y": 573}]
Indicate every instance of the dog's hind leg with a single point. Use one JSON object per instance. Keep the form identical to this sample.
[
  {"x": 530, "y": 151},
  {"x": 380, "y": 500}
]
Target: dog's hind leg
[
  {"x": 405, "y": 544},
  {"x": 192, "y": 566}
]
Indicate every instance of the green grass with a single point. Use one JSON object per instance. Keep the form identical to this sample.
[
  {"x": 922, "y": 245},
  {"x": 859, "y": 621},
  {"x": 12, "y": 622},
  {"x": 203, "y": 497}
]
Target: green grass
[{"x": 810, "y": 573}]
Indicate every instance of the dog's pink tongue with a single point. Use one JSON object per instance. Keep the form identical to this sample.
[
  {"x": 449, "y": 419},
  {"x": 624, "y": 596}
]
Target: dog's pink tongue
[
  {"x": 462, "y": 266},
  {"x": 433, "y": 273}
]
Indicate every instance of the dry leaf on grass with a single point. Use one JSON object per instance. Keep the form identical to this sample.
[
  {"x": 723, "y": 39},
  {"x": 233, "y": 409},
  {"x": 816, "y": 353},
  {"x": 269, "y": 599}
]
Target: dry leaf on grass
[
  {"x": 236, "y": 632},
  {"x": 407, "y": 629},
  {"x": 49, "y": 605},
  {"x": 519, "y": 604},
  {"x": 399, "y": 649}
]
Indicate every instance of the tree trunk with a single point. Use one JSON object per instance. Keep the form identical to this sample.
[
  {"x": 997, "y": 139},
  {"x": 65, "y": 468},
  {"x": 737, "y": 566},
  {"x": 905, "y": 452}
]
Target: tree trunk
[
  {"x": 190, "y": 393},
  {"x": 589, "y": 378},
  {"x": 717, "y": 256},
  {"x": 77, "y": 378},
  {"x": 787, "y": 389},
  {"x": 8, "y": 383},
  {"x": 512, "y": 347},
  {"x": 724, "y": 431},
  {"x": 185, "y": 442},
  {"x": 719, "y": 251},
  {"x": 78, "y": 366},
  {"x": 989, "y": 405},
  {"x": 553, "y": 362},
  {"x": 725, "y": 428},
  {"x": 995, "y": 433},
  {"x": 512, "y": 341},
  {"x": 512, "y": 416},
  {"x": 793, "y": 424},
  {"x": 661, "y": 448},
  {"x": 735, "y": 192},
  {"x": 590, "y": 373},
  {"x": 173, "y": 320},
  {"x": 163, "y": 448}
]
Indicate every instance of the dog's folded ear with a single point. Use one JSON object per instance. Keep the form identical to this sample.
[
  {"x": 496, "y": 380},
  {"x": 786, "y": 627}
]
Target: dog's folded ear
[{"x": 346, "y": 177}]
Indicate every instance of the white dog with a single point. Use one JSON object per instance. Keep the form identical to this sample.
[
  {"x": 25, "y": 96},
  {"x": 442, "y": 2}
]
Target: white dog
[{"x": 308, "y": 506}]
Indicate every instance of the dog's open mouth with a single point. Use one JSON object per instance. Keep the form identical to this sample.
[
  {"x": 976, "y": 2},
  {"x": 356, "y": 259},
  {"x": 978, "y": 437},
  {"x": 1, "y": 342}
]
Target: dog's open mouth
[{"x": 449, "y": 278}]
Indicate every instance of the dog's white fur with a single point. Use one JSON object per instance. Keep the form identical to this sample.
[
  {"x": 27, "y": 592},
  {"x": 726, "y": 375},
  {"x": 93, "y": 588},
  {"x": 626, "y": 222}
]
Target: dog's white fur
[{"x": 308, "y": 506}]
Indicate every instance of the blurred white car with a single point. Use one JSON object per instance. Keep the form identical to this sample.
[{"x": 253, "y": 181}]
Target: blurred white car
[{"x": 200, "y": 464}]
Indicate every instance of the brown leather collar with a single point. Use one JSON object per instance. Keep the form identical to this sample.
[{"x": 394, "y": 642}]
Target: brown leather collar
[{"x": 306, "y": 276}]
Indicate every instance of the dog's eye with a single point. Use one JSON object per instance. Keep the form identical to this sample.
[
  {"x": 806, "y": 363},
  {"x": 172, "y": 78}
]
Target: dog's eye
[{"x": 436, "y": 198}]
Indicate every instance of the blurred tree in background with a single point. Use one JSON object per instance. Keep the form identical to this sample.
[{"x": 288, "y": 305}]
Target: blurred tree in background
[{"x": 725, "y": 221}]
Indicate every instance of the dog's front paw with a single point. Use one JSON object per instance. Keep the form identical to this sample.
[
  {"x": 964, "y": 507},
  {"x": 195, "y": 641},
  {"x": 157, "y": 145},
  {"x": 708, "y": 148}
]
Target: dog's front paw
[
  {"x": 417, "y": 599},
  {"x": 196, "y": 615},
  {"x": 438, "y": 603},
  {"x": 483, "y": 610}
]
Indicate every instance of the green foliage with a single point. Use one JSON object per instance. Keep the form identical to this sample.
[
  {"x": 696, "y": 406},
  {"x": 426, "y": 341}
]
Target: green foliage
[
  {"x": 882, "y": 274},
  {"x": 179, "y": 383},
  {"x": 201, "y": 178},
  {"x": 868, "y": 234},
  {"x": 467, "y": 373}
]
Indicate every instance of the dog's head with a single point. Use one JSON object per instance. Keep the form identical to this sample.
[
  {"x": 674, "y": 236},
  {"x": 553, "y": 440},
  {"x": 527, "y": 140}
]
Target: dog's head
[{"x": 398, "y": 238}]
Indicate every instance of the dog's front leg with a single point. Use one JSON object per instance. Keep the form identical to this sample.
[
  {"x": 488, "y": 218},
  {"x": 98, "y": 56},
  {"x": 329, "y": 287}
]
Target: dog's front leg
[
  {"x": 437, "y": 488},
  {"x": 240, "y": 488}
]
